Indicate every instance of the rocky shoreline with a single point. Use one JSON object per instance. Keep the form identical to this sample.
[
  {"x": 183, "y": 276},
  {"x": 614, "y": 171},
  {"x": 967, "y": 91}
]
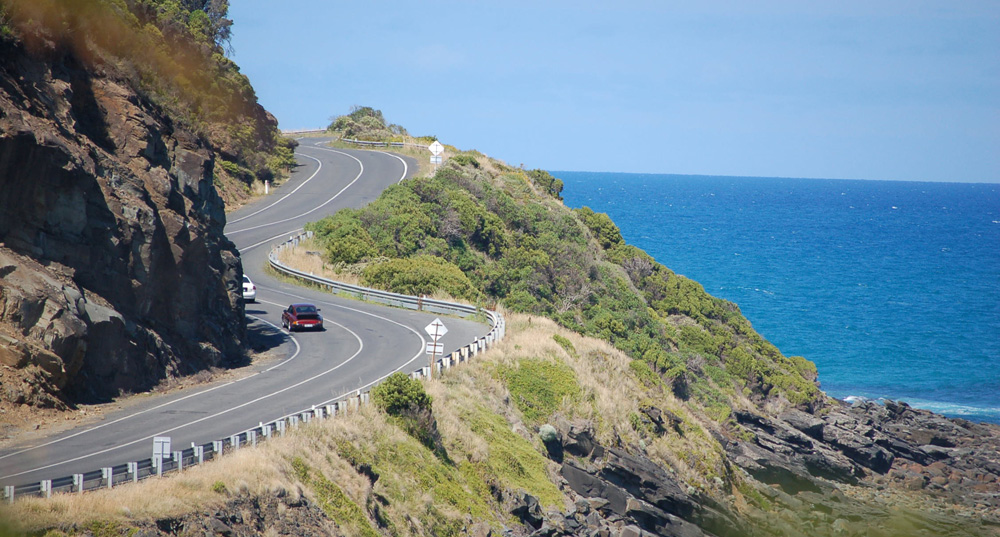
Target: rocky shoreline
[
  {"x": 864, "y": 470},
  {"x": 846, "y": 470}
]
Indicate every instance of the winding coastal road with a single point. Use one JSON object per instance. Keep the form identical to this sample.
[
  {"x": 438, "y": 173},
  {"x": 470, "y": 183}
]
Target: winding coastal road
[{"x": 362, "y": 342}]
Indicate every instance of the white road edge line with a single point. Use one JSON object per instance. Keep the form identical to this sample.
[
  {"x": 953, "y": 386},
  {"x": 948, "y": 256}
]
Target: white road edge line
[
  {"x": 297, "y": 346},
  {"x": 298, "y": 349},
  {"x": 406, "y": 167},
  {"x": 286, "y": 195},
  {"x": 361, "y": 346},
  {"x": 314, "y": 209}
]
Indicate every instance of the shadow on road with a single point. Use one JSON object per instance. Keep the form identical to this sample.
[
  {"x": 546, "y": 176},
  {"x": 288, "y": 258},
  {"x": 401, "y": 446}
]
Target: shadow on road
[{"x": 263, "y": 337}]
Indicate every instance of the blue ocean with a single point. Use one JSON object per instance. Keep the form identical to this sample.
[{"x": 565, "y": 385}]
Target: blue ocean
[{"x": 891, "y": 288}]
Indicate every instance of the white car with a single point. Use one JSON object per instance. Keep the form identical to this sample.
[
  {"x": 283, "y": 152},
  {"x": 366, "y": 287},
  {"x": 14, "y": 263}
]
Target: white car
[{"x": 249, "y": 290}]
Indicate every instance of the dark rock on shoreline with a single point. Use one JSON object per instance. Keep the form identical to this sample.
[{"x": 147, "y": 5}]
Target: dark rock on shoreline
[{"x": 866, "y": 469}]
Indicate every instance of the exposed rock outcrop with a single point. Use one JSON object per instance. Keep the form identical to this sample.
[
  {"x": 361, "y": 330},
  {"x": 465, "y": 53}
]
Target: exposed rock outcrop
[
  {"x": 115, "y": 270},
  {"x": 866, "y": 469}
]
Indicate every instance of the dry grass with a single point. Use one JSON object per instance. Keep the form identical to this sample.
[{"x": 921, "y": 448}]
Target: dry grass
[
  {"x": 308, "y": 257},
  {"x": 609, "y": 396},
  {"x": 255, "y": 471}
]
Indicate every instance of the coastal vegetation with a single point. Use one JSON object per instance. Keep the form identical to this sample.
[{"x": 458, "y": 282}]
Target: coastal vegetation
[
  {"x": 370, "y": 474},
  {"x": 485, "y": 232},
  {"x": 172, "y": 53}
]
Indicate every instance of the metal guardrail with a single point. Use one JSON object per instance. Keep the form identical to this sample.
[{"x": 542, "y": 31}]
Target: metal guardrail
[
  {"x": 381, "y": 144},
  {"x": 134, "y": 471}
]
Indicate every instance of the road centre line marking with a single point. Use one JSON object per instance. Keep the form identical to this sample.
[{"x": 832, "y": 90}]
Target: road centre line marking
[
  {"x": 423, "y": 344},
  {"x": 314, "y": 209},
  {"x": 295, "y": 354},
  {"x": 265, "y": 241},
  {"x": 217, "y": 414},
  {"x": 286, "y": 195},
  {"x": 298, "y": 349}
]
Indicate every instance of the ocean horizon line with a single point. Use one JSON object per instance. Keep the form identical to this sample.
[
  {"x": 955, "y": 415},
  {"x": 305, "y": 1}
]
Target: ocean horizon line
[{"x": 714, "y": 176}]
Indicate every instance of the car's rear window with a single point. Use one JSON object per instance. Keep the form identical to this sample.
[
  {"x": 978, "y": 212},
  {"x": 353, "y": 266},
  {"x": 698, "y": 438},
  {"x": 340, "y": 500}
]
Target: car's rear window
[{"x": 305, "y": 309}]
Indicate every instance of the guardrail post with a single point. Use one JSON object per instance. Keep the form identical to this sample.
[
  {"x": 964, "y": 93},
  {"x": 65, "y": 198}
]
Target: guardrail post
[
  {"x": 133, "y": 470},
  {"x": 318, "y": 412},
  {"x": 199, "y": 453},
  {"x": 331, "y": 410},
  {"x": 280, "y": 424},
  {"x": 266, "y": 430},
  {"x": 217, "y": 446},
  {"x": 293, "y": 421},
  {"x": 179, "y": 459},
  {"x": 365, "y": 398},
  {"x": 305, "y": 417},
  {"x": 78, "y": 483},
  {"x": 234, "y": 441},
  {"x": 46, "y": 487},
  {"x": 108, "y": 475},
  {"x": 252, "y": 437},
  {"x": 158, "y": 460},
  {"x": 8, "y": 493}
]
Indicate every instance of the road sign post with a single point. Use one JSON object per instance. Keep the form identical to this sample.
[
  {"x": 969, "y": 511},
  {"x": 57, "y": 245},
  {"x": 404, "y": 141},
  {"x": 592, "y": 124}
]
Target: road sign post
[
  {"x": 436, "y": 149},
  {"x": 436, "y": 330}
]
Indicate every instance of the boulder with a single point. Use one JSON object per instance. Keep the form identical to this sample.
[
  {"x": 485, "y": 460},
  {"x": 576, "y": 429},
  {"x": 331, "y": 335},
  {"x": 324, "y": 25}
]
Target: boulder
[
  {"x": 527, "y": 509},
  {"x": 807, "y": 423}
]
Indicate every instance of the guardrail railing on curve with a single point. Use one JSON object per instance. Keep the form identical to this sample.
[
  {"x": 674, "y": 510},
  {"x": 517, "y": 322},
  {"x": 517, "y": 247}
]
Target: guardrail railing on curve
[
  {"x": 381, "y": 144},
  {"x": 134, "y": 471}
]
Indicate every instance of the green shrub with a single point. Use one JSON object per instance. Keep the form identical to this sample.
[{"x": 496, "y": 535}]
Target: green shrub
[
  {"x": 566, "y": 344},
  {"x": 399, "y": 392},
  {"x": 544, "y": 180},
  {"x": 421, "y": 275},
  {"x": 465, "y": 160},
  {"x": 605, "y": 231},
  {"x": 538, "y": 387}
]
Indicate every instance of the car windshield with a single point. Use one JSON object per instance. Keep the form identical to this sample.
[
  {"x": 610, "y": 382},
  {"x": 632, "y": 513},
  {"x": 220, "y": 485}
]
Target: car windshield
[{"x": 305, "y": 309}]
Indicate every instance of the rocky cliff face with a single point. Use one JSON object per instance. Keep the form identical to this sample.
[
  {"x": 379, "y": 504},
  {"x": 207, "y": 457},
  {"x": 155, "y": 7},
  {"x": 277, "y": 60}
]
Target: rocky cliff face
[
  {"x": 115, "y": 271},
  {"x": 867, "y": 469}
]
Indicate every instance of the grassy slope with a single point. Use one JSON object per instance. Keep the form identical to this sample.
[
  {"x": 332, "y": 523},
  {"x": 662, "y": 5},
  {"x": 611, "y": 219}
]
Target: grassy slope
[
  {"x": 483, "y": 231},
  {"x": 370, "y": 477},
  {"x": 487, "y": 419}
]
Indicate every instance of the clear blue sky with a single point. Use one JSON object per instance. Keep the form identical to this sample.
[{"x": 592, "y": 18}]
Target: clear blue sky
[{"x": 902, "y": 90}]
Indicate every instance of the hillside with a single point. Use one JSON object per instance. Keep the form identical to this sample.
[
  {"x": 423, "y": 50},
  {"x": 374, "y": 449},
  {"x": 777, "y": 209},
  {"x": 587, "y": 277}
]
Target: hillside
[
  {"x": 625, "y": 401},
  {"x": 124, "y": 131},
  {"x": 483, "y": 231}
]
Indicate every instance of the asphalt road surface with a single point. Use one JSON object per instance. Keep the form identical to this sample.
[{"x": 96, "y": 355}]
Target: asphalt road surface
[{"x": 361, "y": 344}]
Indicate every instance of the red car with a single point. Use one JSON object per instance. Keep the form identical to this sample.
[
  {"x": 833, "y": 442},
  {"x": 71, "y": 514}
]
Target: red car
[{"x": 301, "y": 316}]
